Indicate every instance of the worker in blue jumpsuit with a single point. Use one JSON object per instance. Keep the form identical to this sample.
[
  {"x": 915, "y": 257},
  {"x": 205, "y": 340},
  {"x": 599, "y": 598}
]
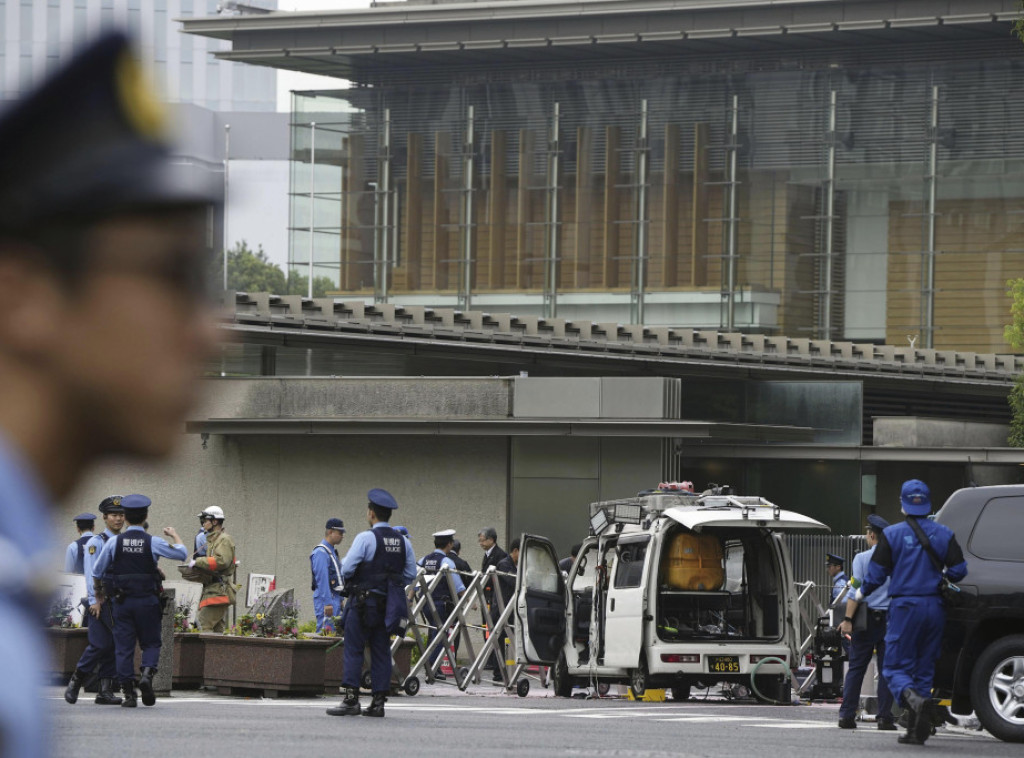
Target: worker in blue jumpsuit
[
  {"x": 916, "y": 612},
  {"x": 444, "y": 602},
  {"x": 327, "y": 583},
  {"x": 74, "y": 556},
  {"x": 376, "y": 570},
  {"x": 99, "y": 653},
  {"x": 128, "y": 565},
  {"x": 866, "y": 642}
]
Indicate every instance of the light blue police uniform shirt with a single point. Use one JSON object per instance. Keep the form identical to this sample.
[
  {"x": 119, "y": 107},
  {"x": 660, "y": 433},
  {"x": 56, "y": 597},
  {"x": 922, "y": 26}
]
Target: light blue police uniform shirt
[
  {"x": 364, "y": 547},
  {"x": 456, "y": 577},
  {"x": 201, "y": 543},
  {"x": 879, "y": 599},
  {"x": 161, "y": 549},
  {"x": 26, "y": 578},
  {"x": 71, "y": 556},
  {"x": 90, "y": 559},
  {"x": 837, "y": 584}
]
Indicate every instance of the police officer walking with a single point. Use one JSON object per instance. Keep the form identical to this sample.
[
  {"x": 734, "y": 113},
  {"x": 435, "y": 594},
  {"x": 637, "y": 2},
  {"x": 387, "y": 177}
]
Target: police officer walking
[
  {"x": 74, "y": 556},
  {"x": 99, "y": 617},
  {"x": 376, "y": 570},
  {"x": 327, "y": 582},
  {"x": 444, "y": 604},
  {"x": 128, "y": 566},
  {"x": 864, "y": 642},
  {"x": 918, "y": 555}
]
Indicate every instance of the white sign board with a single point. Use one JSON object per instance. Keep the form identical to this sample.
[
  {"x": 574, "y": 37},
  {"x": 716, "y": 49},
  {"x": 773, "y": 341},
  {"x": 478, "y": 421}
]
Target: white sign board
[
  {"x": 70, "y": 591},
  {"x": 258, "y": 585}
]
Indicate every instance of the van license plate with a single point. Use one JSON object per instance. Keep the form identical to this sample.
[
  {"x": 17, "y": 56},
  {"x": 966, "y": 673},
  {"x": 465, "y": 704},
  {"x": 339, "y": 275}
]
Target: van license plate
[{"x": 724, "y": 664}]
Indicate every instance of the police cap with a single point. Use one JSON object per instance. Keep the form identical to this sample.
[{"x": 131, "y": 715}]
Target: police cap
[
  {"x": 89, "y": 143},
  {"x": 916, "y": 498},
  {"x": 877, "y": 522},
  {"x": 444, "y": 533},
  {"x": 402, "y": 530},
  {"x": 335, "y": 523},
  {"x": 135, "y": 502},
  {"x": 84, "y": 517},
  {"x": 111, "y": 504},
  {"x": 382, "y": 498},
  {"x": 835, "y": 560}
]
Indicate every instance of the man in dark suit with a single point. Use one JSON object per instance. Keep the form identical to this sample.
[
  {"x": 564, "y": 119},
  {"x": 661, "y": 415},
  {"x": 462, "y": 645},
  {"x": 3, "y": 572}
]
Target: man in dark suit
[{"x": 493, "y": 555}]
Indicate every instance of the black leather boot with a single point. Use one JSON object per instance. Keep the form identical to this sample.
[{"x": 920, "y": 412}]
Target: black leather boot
[
  {"x": 377, "y": 706},
  {"x": 914, "y": 703},
  {"x": 128, "y": 688},
  {"x": 349, "y": 705},
  {"x": 74, "y": 685},
  {"x": 106, "y": 694},
  {"x": 146, "y": 685}
]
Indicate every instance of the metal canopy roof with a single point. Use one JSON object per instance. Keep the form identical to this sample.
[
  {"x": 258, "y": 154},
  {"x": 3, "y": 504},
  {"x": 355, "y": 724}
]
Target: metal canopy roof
[{"x": 361, "y": 45}]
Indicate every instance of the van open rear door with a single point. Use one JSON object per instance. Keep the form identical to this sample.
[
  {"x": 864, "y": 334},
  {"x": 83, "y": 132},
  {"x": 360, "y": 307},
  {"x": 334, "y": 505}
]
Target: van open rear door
[{"x": 540, "y": 603}]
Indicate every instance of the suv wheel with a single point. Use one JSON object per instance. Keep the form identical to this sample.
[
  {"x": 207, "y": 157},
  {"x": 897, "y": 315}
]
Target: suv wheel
[
  {"x": 638, "y": 679},
  {"x": 997, "y": 688},
  {"x": 560, "y": 680}
]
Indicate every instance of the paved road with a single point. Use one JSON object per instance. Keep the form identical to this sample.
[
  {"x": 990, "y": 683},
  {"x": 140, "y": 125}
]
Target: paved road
[{"x": 444, "y": 723}]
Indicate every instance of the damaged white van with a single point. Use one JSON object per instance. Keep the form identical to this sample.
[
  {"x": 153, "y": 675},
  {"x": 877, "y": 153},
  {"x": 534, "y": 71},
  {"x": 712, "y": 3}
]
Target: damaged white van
[{"x": 675, "y": 591}]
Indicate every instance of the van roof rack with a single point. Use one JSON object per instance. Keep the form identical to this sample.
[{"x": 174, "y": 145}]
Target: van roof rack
[{"x": 644, "y": 507}]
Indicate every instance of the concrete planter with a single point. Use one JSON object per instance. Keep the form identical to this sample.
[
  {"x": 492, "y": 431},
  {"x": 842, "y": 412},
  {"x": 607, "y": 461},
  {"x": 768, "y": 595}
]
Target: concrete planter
[
  {"x": 272, "y": 666},
  {"x": 67, "y": 646},
  {"x": 189, "y": 660}
]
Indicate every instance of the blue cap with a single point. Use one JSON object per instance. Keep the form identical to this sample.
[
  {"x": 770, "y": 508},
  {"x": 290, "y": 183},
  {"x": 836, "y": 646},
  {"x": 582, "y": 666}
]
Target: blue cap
[
  {"x": 382, "y": 498},
  {"x": 916, "y": 498},
  {"x": 84, "y": 517},
  {"x": 111, "y": 504},
  {"x": 401, "y": 530},
  {"x": 335, "y": 523},
  {"x": 877, "y": 522},
  {"x": 89, "y": 142},
  {"x": 836, "y": 559},
  {"x": 135, "y": 502}
]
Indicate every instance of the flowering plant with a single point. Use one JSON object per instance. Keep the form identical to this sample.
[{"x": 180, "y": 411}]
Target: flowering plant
[
  {"x": 182, "y": 611},
  {"x": 259, "y": 623},
  {"x": 60, "y": 614}
]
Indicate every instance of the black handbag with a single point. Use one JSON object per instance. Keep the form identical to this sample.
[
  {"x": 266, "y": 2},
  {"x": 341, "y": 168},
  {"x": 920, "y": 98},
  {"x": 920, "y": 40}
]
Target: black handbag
[
  {"x": 860, "y": 617},
  {"x": 949, "y": 591}
]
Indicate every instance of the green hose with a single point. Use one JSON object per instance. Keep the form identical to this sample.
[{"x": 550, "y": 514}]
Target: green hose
[{"x": 753, "y": 673}]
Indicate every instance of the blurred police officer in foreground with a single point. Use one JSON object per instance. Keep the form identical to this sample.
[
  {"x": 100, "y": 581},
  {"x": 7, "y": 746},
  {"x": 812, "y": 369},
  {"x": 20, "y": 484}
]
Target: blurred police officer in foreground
[
  {"x": 74, "y": 556},
  {"x": 916, "y": 612},
  {"x": 99, "y": 653},
  {"x": 325, "y": 566},
  {"x": 131, "y": 580},
  {"x": 865, "y": 642},
  {"x": 376, "y": 569},
  {"x": 103, "y": 331},
  {"x": 444, "y": 603},
  {"x": 216, "y": 572}
]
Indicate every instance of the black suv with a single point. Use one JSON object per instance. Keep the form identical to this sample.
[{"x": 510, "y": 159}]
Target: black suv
[{"x": 981, "y": 666}]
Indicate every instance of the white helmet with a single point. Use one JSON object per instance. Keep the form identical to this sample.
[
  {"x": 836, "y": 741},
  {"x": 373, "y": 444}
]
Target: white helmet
[{"x": 214, "y": 511}]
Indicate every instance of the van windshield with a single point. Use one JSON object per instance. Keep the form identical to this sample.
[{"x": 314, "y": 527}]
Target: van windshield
[{"x": 719, "y": 584}]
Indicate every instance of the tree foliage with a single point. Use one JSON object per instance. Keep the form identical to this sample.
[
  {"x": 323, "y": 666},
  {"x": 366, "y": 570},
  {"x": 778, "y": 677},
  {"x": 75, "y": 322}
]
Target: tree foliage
[
  {"x": 248, "y": 271},
  {"x": 1014, "y": 335},
  {"x": 299, "y": 285}
]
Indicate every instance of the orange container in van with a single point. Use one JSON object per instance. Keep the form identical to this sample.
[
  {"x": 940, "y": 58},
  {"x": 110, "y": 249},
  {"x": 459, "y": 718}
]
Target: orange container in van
[{"x": 693, "y": 562}]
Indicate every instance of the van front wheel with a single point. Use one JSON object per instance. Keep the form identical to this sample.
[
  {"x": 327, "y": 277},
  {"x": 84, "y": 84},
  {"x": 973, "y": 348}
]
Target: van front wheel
[
  {"x": 638, "y": 679},
  {"x": 560, "y": 680}
]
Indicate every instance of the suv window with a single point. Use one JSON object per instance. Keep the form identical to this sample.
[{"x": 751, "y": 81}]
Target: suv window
[
  {"x": 629, "y": 569},
  {"x": 996, "y": 536}
]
